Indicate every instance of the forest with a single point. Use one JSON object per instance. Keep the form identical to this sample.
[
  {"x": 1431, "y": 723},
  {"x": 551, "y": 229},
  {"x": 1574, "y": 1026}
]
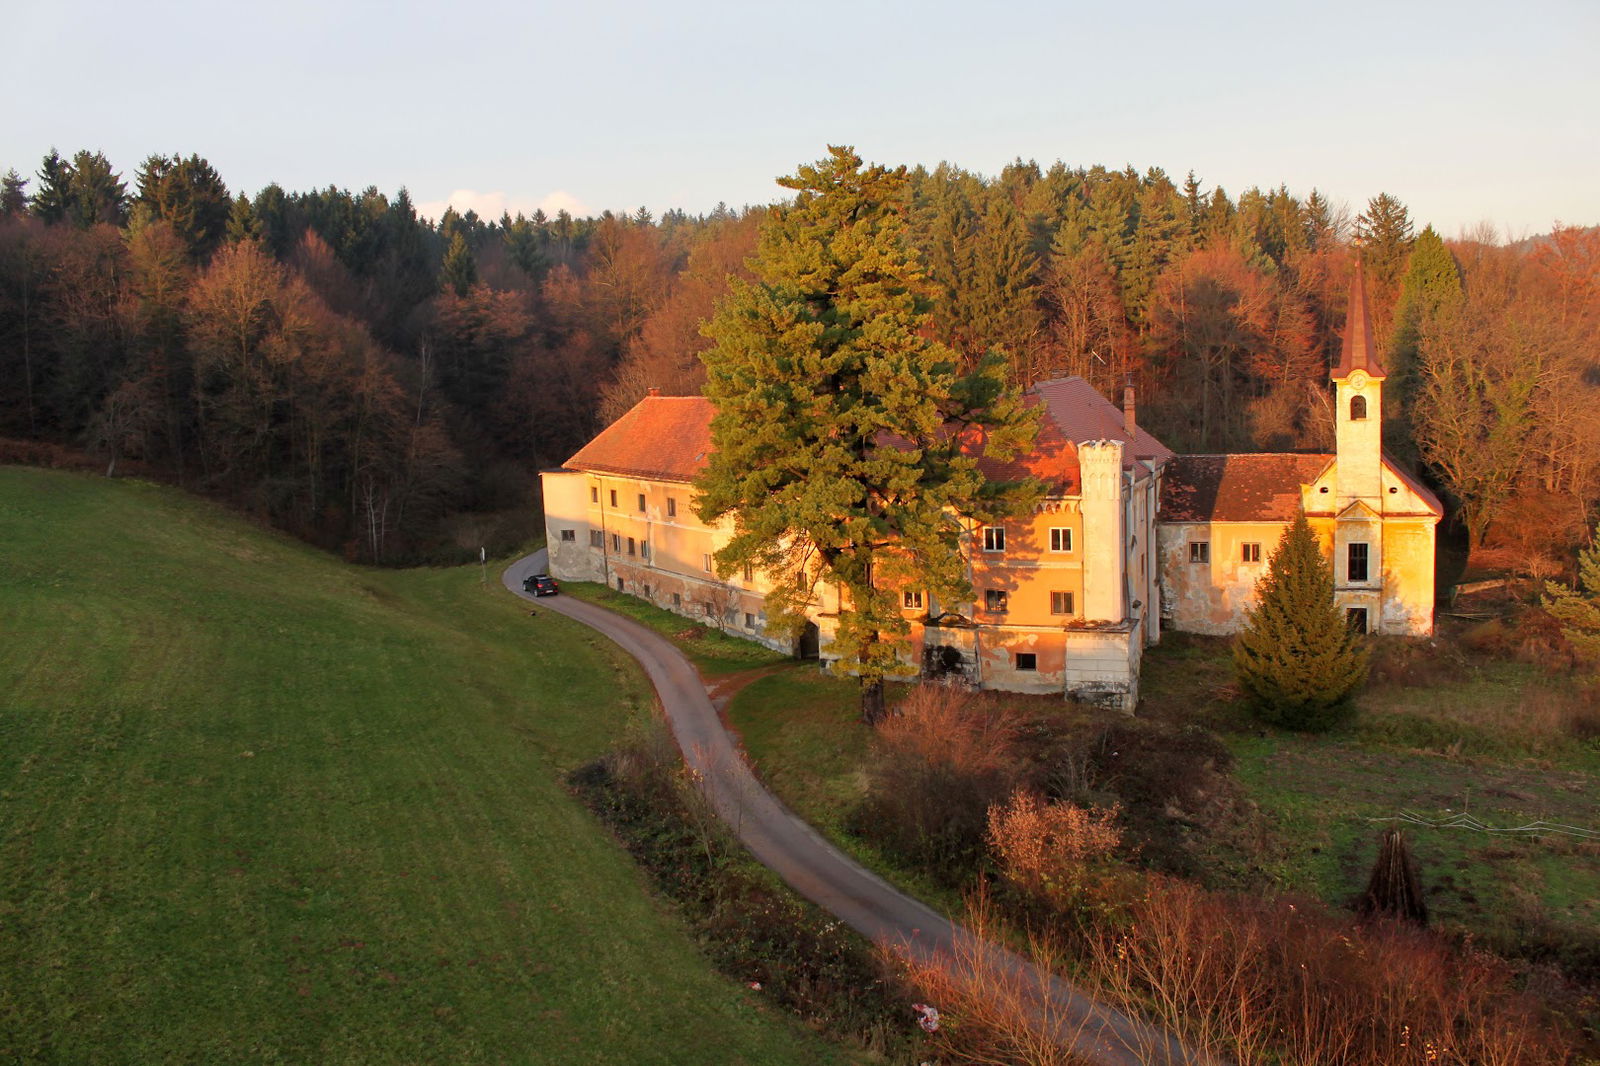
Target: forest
[{"x": 388, "y": 385}]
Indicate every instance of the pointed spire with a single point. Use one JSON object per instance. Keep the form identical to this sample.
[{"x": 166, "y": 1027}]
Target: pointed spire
[{"x": 1358, "y": 351}]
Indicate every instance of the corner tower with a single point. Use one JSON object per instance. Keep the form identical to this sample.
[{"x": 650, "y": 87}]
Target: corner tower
[{"x": 1358, "y": 384}]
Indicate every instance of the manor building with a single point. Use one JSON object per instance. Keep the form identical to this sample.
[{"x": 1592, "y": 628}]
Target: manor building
[{"x": 1127, "y": 538}]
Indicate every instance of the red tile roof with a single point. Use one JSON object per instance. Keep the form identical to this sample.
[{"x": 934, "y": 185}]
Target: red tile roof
[
  {"x": 667, "y": 438},
  {"x": 1237, "y": 488},
  {"x": 663, "y": 438}
]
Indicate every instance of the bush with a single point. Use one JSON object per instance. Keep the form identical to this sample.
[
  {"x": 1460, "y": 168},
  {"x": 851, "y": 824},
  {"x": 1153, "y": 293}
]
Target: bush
[
  {"x": 756, "y": 931},
  {"x": 941, "y": 760}
]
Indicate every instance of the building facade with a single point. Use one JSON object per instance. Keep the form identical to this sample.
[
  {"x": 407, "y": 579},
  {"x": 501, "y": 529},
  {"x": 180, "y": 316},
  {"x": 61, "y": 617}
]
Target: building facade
[{"x": 1126, "y": 538}]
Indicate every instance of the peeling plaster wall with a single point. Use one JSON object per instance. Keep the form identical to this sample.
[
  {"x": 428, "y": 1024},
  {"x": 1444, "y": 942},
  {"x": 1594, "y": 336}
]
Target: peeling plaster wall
[
  {"x": 1103, "y": 667},
  {"x": 1408, "y": 579},
  {"x": 1214, "y": 596}
]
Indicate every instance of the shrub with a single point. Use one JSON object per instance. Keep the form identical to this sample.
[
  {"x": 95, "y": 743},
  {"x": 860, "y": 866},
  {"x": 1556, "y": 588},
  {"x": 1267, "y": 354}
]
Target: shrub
[
  {"x": 1298, "y": 660},
  {"x": 940, "y": 762}
]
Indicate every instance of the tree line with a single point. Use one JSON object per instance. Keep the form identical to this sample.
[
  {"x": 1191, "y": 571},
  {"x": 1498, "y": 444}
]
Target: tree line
[{"x": 356, "y": 373}]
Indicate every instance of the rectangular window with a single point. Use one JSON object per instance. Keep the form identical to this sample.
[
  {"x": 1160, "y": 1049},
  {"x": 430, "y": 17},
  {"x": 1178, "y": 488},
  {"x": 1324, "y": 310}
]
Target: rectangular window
[
  {"x": 1027, "y": 660},
  {"x": 594, "y": 494},
  {"x": 672, "y": 507},
  {"x": 641, "y": 503},
  {"x": 912, "y": 599},
  {"x": 633, "y": 546},
  {"x": 644, "y": 548},
  {"x": 569, "y": 535},
  {"x": 706, "y": 563},
  {"x": 1249, "y": 553},
  {"x": 1200, "y": 551},
  {"x": 749, "y": 620},
  {"x": 749, "y": 573},
  {"x": 1061, "y": 603},
  {"x": 994, "y": 538},
  {"x": 677, "y": 599},
  {"x": 1356, "y": 617},
  {"x": 597, "y": 539},
  {"x": 616, "y": 543},
  {"x": 1356, "y": 565},
  {"x": 994, "y": 600},
  {"x": 613, "y": 497},
  {"x": 1061, "y": 540}
]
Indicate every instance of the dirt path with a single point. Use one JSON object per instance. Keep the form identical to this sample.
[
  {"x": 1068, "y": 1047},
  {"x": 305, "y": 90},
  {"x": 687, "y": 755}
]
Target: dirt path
[{"x": 814, "y": 868}]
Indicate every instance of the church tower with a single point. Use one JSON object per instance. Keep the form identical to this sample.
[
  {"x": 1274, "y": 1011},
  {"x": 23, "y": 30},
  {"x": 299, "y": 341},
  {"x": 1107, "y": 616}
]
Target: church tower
[
  {"x": 1358, "y": 563},
  {"x": 1358, "y": 383}
]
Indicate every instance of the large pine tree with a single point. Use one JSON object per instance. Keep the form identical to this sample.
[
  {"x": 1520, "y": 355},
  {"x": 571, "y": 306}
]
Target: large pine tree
[
  {"x": 1298, "y": 661},
  {"x": 837, "y": 443}
]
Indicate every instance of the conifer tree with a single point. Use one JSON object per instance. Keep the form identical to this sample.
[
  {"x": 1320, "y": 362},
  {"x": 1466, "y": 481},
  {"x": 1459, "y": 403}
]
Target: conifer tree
[
  {"x": 243, "y": 225},
  {"x": 1298, "y": 661},
  {"x": 1431, "y": 287},
  {"x": 1577, "y": 609},
  {"x": 838, "y": 439},
  {"x": 459, "y": 271},
  {"x": 13, "y": 195}
]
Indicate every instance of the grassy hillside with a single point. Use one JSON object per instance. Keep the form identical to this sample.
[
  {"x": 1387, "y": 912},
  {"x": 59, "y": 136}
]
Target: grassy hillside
[{"x": 259, "y": 806}]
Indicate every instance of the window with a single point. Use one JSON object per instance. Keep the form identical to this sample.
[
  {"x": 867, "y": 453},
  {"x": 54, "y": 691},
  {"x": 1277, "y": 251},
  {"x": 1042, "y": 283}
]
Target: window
[
  {"x": 677, "y": 599},
  {"x": 616, "y": 543},
  {"x": 994, "y": 538},
  {"x": 633, "y": 546},
  {"x": 1200, "y": 551},
  {"x": 641, "y": 503},
  {"x": 644, "y": 590},
  {"x": 749, "y": 620},
  {"x": 706, "y": 563},
  {"x": 569, "y": 535},
  {"x": 1356, "y": 618},
  {"x": 912, "y": 599},
  {"x": 994, "y": 600},
  {"x": 672, "y": 507},
  {"x": 1358, "y": 408},
  {"x": 749, "y": 573},
  {"x": 597, "y": 539},
  {"x": 594, "y": 494},
  {"x": 1061, "y": 540},
  {"x": 1061, "y": 603},
  {"x": 1250, "y": 553},
  {"x": 644, "y": 548},
  {"x": 1027, "y": 660},
  {"x": 619, "y": 584},
  {"x": 1356, "y": 563},
  {"x": 613, "y": 497}
]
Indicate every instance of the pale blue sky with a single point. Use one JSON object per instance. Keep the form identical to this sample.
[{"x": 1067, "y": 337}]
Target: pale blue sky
[{"x": 1467, "y": 111}]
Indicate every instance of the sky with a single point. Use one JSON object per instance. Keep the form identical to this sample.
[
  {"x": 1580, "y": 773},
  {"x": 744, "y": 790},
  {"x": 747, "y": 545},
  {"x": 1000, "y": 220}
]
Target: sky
[{"x": 1468, "y": 112}]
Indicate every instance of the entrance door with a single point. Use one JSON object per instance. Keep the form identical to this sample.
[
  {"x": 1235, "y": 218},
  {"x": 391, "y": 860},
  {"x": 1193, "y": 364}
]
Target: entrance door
[{"x": 810, "y": 645}]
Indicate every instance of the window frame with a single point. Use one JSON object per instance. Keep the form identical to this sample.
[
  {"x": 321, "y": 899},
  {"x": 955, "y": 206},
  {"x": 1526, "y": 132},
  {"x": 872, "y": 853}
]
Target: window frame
[
  {"x": 911, "y": 599},
  {"x": 1350, "y": 560},
  {"x": 672, "y": 507},
  {"x": 1060, "y": 598},
  {"x": 996, "y": 601},
  {"x": 1358, "y": 413},
  {"x": 1061, "y": 539},
  {"x": 569, "y": 536},
  {"x": 1250, "y": 551},
  {"x": 994, "y": 539},
  {"x": 1026, "y": 662},
  {"x": 1200, "y": 552}
]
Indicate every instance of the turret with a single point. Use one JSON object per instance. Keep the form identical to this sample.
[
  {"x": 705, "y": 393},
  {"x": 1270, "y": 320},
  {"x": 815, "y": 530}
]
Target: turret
[{"x": 1104, "y": 535}]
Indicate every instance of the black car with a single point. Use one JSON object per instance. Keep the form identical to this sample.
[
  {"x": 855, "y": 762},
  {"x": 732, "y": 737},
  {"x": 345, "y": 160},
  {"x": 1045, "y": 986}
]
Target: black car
[{"x": 540, "y": 585}]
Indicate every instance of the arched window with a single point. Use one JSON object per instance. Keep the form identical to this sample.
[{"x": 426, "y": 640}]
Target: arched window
[{"x": 1358, "y": 408}]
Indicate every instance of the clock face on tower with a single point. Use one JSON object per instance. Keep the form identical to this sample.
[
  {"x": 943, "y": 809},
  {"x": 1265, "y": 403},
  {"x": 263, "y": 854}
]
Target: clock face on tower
[{"x": 1358, "y": 379}]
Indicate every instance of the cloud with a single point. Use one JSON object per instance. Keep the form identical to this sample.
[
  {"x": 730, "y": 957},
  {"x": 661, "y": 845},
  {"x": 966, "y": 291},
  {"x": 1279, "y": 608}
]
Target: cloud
[{"x": 491, "y": 205}]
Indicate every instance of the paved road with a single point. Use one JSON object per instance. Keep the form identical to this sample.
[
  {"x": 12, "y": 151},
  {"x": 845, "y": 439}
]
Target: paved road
[{"x": 819, "y": 871}]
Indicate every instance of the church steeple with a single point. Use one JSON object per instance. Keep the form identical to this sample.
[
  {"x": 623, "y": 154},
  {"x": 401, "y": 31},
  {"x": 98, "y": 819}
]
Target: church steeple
[{"x": 1358, "y": 352}]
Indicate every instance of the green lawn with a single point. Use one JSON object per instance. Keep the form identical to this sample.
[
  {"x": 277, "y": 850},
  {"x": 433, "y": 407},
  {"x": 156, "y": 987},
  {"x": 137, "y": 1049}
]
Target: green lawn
[
  {"x": 713, "y": 652},
  {"x": 260, "y": 806}
]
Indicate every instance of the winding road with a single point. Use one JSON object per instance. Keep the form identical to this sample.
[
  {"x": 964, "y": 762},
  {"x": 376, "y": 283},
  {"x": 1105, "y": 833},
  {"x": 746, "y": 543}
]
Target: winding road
[{"x": 824, "y": 875}]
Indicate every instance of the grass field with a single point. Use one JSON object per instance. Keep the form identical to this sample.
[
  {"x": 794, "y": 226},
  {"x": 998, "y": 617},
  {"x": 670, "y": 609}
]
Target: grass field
[{"x": 260, "y": 806}]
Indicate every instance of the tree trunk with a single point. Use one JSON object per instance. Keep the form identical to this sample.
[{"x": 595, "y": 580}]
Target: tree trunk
[{"x": 872, "y": 706}]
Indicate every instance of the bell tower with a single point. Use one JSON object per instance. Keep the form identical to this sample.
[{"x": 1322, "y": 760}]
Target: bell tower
[{"x": 1358, "y": 389}]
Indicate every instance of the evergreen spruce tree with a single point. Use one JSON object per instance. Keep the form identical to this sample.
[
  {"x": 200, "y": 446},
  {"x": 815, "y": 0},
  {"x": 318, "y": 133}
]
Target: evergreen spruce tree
[
  {"x": 1577, "y": 609},
  {"x": 54, "y": 193},
  {"x": 243, "y": 225},
  {"x": 837, "y": 446},
  {"x": 13, "y": 195},
  {"x": 1298, "y": 661},
  {"x": 459, "y": 271}
]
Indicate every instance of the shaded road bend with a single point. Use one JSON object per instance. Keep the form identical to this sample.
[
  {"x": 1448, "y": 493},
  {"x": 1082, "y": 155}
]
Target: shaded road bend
[{"x": 817, "y": 870}]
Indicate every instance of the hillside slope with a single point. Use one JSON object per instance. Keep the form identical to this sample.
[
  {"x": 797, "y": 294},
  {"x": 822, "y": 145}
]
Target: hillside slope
[{"x": 256, "y": 805}]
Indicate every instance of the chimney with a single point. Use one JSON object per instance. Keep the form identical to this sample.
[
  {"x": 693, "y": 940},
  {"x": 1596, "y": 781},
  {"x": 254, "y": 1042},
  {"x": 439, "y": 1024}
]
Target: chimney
[
  {"x": 1130, "y": 425},
  {"x": 654, "y": 391}
]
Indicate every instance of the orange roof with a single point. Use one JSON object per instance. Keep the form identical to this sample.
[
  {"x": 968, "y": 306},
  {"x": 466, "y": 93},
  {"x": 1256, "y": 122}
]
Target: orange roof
[
  {"x": 663, "y": 438},
  {"x": 1238, "y": 488},
  {"x": 667, "y": 438},
  {"x": 1358, "y": 352}
]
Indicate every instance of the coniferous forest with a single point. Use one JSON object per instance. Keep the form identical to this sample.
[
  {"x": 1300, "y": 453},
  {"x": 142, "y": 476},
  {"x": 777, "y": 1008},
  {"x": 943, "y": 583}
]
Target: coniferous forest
[{"x": 388, "y": 385}]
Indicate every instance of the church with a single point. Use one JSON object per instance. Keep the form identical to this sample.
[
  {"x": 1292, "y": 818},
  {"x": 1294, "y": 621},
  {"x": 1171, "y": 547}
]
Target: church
[{"x": 1128, "y": 538}]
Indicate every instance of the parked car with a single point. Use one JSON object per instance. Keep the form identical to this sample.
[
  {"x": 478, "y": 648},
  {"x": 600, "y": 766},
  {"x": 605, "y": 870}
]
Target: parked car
[{"x": 540, "y": 585}]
